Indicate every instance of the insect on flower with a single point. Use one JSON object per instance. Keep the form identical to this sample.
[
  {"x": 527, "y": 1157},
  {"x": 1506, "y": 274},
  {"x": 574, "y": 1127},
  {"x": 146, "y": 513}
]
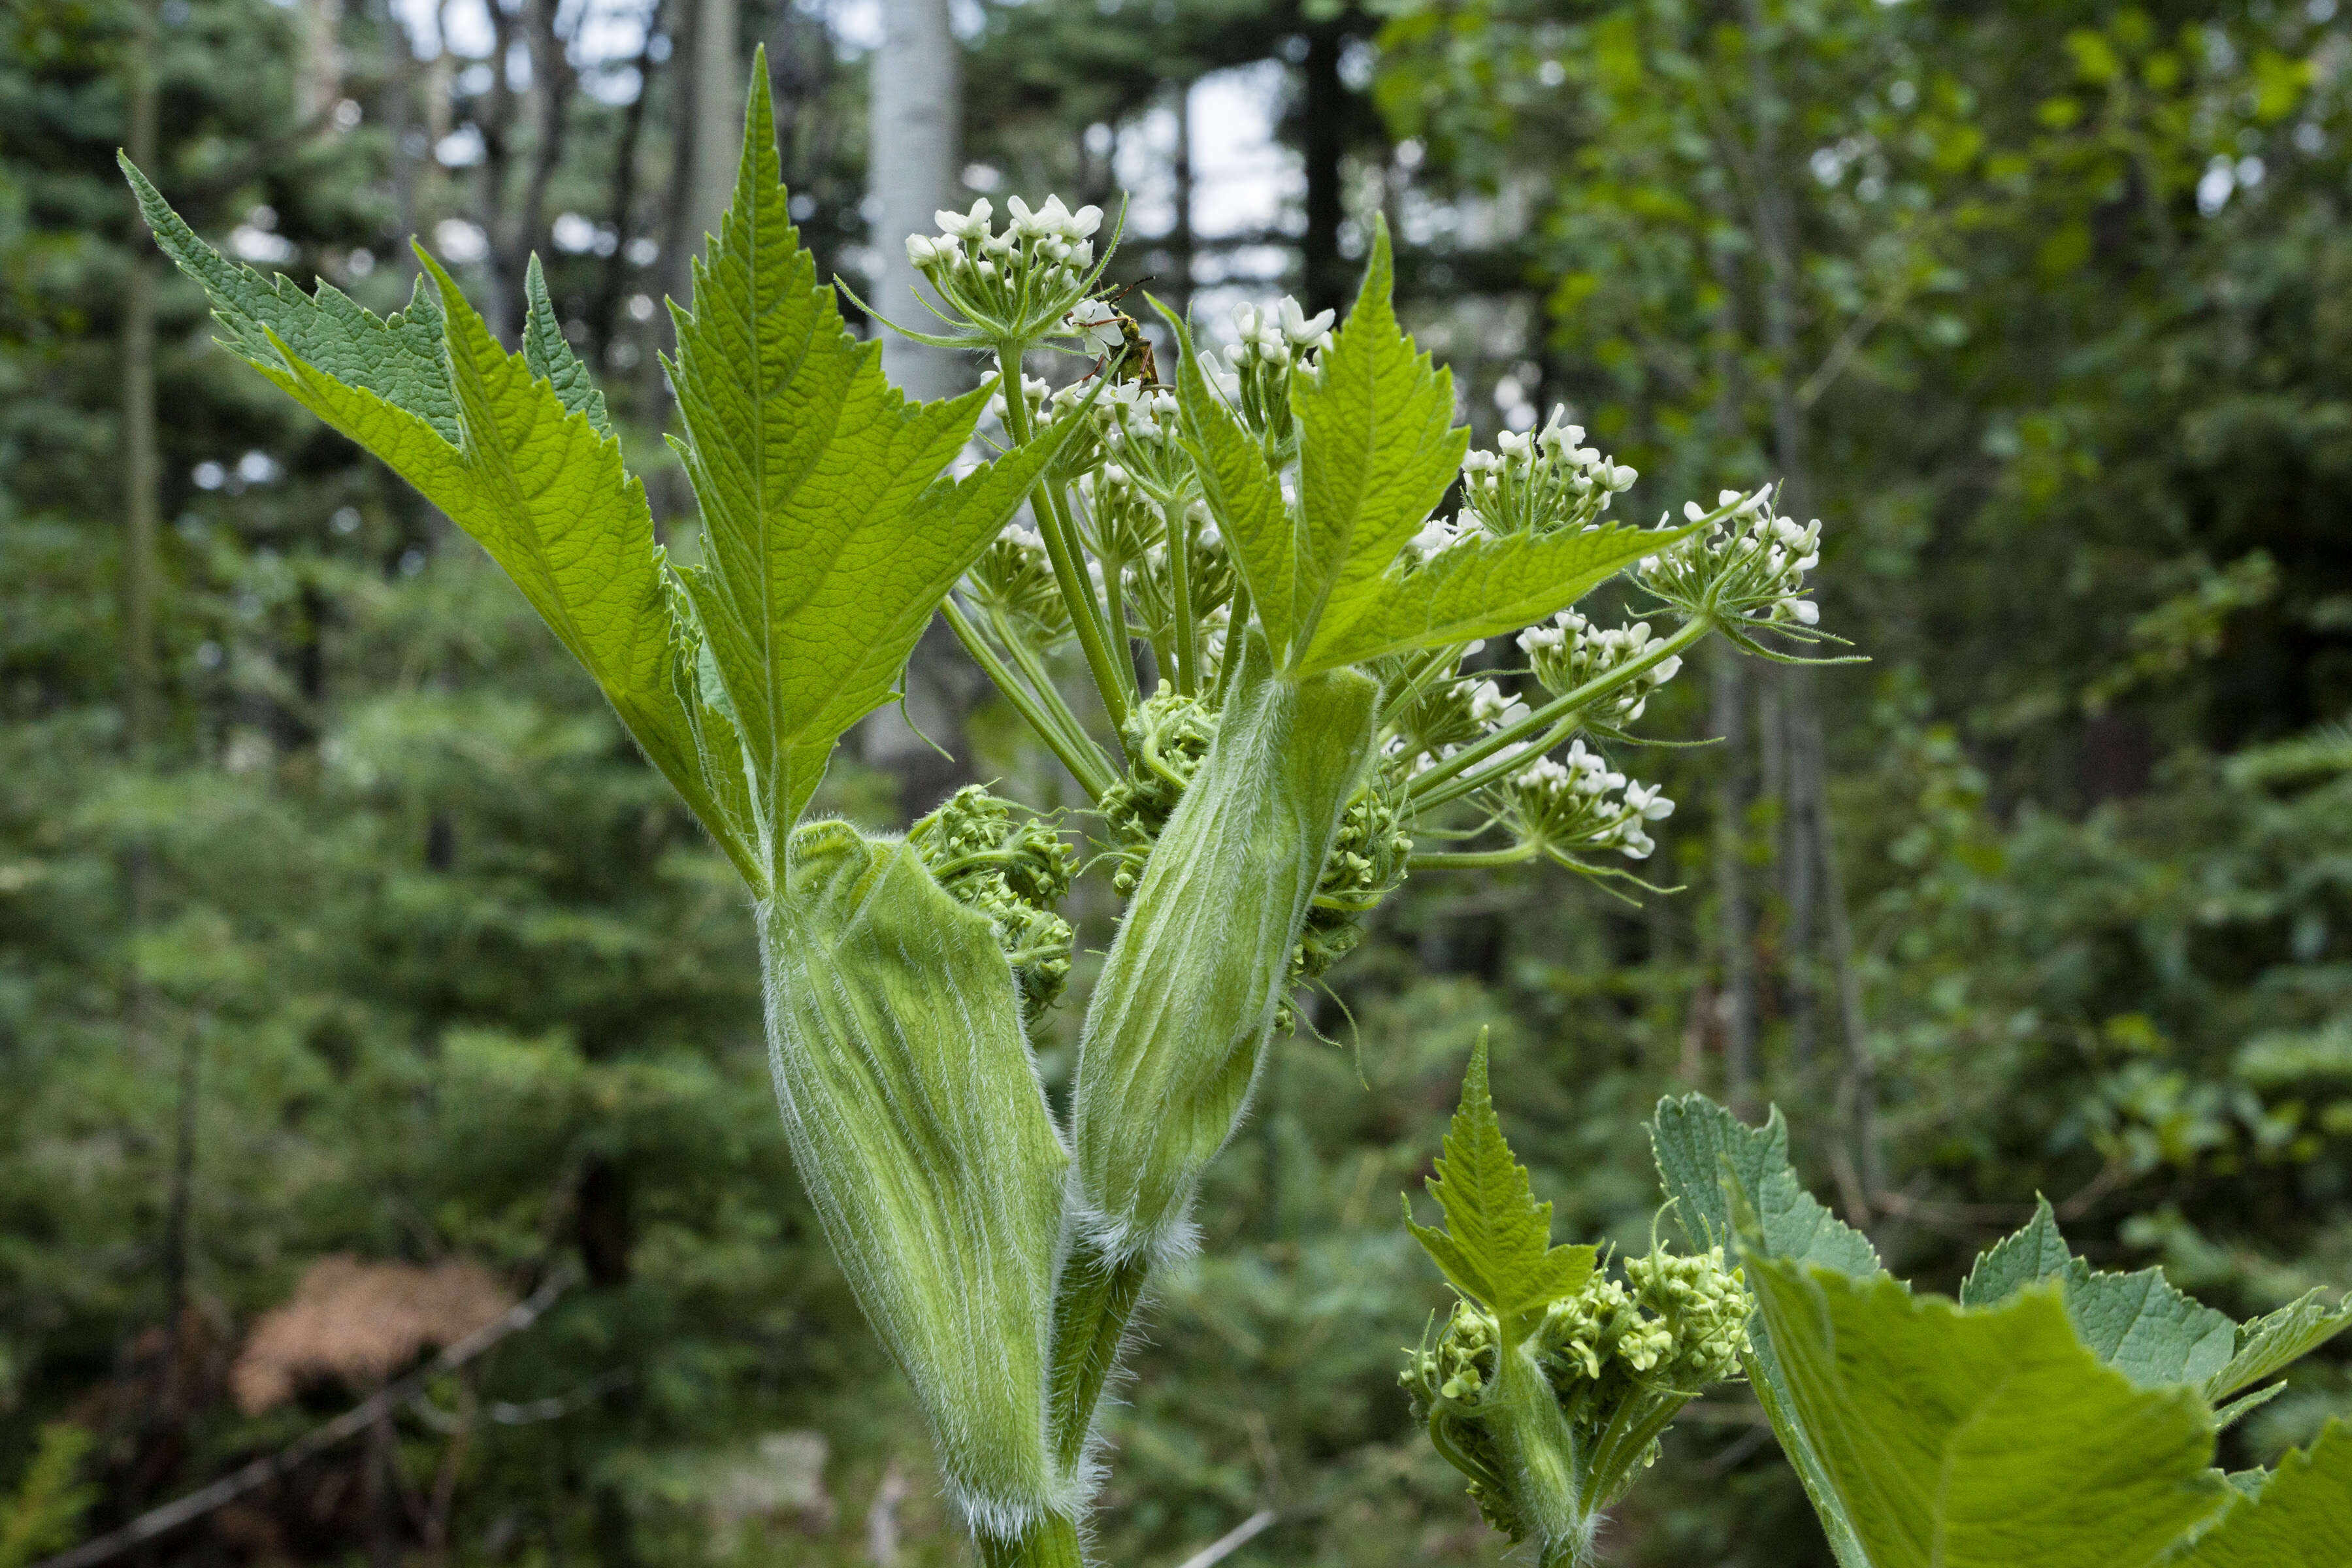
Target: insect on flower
[{"x": 1115, "y": 340}]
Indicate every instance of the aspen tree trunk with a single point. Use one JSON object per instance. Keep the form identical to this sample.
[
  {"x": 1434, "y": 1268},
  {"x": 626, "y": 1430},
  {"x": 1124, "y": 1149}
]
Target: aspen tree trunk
[
  {"x": 718, "y": 127},
  {"x": 916, "y": 133}
]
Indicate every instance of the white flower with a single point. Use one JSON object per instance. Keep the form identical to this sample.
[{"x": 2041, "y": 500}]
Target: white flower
[
  {"x": 1543, "y": 773},
  {"x": 1081, "y": 224},
  {"x": 972, "y": 225},
  {"x": 1246, "y": 322},
  {"x": 922, "y": 251},
  {"x": 1490, "y": 704},
  {"x": 1300, "y": 328},
  {"x": 1649, "y": 801},
  {"x": 1097, "y": 324},
  {"x": 1622, "y": 479}
]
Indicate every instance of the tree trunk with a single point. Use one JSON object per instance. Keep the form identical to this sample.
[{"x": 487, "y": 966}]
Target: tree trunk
[
  {"x": 1734, "y": 941},
  {"x": 1325, "y": 142},
  {"x": 917, "y": 131},
  {"x": 718, "y": 135}
]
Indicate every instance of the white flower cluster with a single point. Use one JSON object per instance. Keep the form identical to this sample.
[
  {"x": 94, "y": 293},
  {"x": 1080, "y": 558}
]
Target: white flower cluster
[
  {"x": 1746, "y": 562},
  {"x": 1278, "y": 336},
  {"x": 1569, "y": 653},
  {"x": 1274, "y": 344},
  {"x": 1541, "y": 481},
  {"x": 1017, "y": 284},
  {"x": 1578, "y": 802}
]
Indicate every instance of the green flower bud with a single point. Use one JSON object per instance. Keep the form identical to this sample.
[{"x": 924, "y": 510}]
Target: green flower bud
[
  {"x": 1188, "y": 992},
  {"x": 921, "y": 1133},
  {"x": 1167, "y": 738},
  {"x": 1617, "y": 1361},
  {"x": 1013, "y": 870}
]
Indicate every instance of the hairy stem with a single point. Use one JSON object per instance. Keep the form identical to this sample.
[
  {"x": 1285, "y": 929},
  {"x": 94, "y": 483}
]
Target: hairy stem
[
  {"x": 1069, "y": 560},
  {"x": 1094, "y": 1300},
  {"x": 1179, "y": 594},
  {"x": 1077, "y": 752},
  {"x": 1473, "y": 859},
  {"x": 1051, "y": 1542}
]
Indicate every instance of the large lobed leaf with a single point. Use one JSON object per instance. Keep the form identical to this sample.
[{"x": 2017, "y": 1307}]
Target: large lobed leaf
[
  {"x": 1707, "y": 1159},
  {"x": 2143, "y": 1327},
  {"x": 2300, "y": 1518},
  {"x": 515, "y": 448},
  {"x": 831, "y": 532},
  {"x": 1991, "y": 1438},
  {"x": 1496, "y": 1247},
  {"x": 1480, "y": 587}
]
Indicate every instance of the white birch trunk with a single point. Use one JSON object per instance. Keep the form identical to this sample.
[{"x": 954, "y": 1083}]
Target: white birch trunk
[
  {"x": 917, "y": 124},
  {"x": 718, "y": 82}
]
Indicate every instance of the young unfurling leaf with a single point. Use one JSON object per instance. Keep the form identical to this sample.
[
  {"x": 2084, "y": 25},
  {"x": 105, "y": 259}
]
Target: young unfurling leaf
[{"x": 1496, "y": 1247}]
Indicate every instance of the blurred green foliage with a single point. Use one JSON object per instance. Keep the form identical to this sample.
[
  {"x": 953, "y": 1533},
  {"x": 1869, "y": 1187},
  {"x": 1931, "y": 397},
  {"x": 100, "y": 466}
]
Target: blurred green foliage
[{"x": 394, "y": 947}]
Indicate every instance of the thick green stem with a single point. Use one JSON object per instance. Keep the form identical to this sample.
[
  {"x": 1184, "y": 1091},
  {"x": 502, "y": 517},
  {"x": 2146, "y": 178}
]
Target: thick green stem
[
  {"x": 1559, "y": 708},
  {"x": 1093, "y": 1301},
  {"x": 1069, "y": 561},
  {"x": 1539, "y": 1456},
  {"x": 1179, "y": 594},
  {"x": 1072, "y": 747},
  {"x": 1051, "y": 1542},
  {"x": 1236, "y": 624}
]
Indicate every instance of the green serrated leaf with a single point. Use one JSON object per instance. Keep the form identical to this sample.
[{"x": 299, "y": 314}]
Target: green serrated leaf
[
  {"x": 1481, "y": 587},
  {"x": 2269, "y": 1345},
  {"x": 399, "y": 358},
  {"x": 1496, "y": 1247},
  {"x": 1378, "y": 447},
  {"x": 2035, "y": 1253},
  {"x": 2300, "y": 1518},
  {"x": 1707, "y": 1160},
  {"x": 485, "y": 438},
  {"x": 830, "y": 530},
  {"x": 550, "y": 358},
  {"x": 2136, "y": 1324},
  {"x": 1991, "y": 1438},
  {"x": 1697, "y": 1143},
  {"x": 1241, "y": 491}
]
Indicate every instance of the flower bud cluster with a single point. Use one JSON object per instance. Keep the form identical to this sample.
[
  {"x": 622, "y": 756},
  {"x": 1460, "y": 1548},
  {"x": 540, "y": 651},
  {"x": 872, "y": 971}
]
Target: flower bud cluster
[
  {"x": 1577, "y": 801},
  {"x": 1167, "y": 736},
  {"x": 1621, "y": 1358},
  {"x": 1367, "y": 863},
  {"x": 1136, "y": 427},
  {"x": 1745, "y": 563},
  {"x": 1017, "y": 286},
  {"x": 1013, "y": 869},
  {"x": 1568, "y": 654},
  {"x": 1015, "y": 577}
]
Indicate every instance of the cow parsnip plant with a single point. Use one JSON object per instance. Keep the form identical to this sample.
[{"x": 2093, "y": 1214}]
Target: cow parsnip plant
[{"x": 1262, "y": 532}]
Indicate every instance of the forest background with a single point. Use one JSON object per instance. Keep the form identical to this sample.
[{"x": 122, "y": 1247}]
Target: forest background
[{"x": 358, "y": 980}]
